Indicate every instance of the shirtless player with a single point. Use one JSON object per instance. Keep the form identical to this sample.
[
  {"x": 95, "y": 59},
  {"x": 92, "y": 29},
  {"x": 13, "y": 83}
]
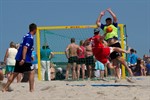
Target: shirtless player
[
  {"x": 89, "y": 58},
  {"x": 71, "y": 54}
]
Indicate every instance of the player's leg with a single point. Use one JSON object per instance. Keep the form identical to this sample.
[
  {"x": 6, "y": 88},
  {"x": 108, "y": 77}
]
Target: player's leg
[
  {"x": 10, "y": 80},
  {"x": 67, "y": 71},
  {"x": 19, "y": 76},
  {"x": 90, "y": 71},
  {"x": 78, "y": 71},
  {"x": 119, "y": 50},
  {"x": 83, "y": 71},
  {"x": 122, "y": 61},
  {"x": 74, "y": 71},
  {"x": 31, "y": 80}
]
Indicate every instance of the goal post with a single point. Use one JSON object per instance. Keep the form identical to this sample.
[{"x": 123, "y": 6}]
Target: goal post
[{"x": 38, "y": 39}]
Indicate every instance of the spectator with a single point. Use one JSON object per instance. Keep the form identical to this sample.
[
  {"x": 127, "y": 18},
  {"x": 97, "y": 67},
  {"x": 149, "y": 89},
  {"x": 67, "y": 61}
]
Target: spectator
[
  {"x": 9, "y": 59},
  {"x": 46, "y": 56},
  {"x": 148, "y": 66},
  {"x": 143, "y": 68},
  {"x": 1, "y": 71},
  {"x": 133, "y": 59}
]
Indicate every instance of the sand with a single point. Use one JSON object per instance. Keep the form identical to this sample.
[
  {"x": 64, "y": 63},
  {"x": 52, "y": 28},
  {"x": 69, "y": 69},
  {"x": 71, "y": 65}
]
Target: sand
[{"x": 58, "y": 90}]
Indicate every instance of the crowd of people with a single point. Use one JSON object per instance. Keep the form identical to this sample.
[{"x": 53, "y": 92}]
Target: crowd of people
[{"x": 93, "y": 57}]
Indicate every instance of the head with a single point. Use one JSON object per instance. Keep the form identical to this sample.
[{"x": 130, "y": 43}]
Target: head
[
  {"x": 132, "y": 51},
  {"x": 135, "y": 51},
  {"x": 148, "y": 60},
  {"x": 81, "y": 42},
  {"x": 96, "y": 31},
  {"x": 72, "y": 40},
  {"x": 45, "y": 46},
  {"x": 33, "y": 28},
  {"x": 12, "y": 45},
  {"x": 108, "y": 21}
]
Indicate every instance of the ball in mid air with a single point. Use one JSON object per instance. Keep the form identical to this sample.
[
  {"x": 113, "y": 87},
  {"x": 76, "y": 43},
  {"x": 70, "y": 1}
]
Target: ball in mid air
[{"x": 109, "y": 29}]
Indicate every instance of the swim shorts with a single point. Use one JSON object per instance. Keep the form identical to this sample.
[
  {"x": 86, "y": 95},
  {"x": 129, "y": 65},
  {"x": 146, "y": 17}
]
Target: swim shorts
[{"x": 72, "y": 60}]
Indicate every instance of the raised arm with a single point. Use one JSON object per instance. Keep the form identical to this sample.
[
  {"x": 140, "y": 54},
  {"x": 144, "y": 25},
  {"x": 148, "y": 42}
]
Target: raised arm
[
  {"x": 66, "y": 52},
  {"x": 113, "y": 15},
  {"x": 98, "y": 23}
]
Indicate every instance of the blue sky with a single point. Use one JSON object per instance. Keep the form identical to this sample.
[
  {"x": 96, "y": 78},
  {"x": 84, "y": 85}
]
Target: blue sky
[{"x": 16, "y": 15}]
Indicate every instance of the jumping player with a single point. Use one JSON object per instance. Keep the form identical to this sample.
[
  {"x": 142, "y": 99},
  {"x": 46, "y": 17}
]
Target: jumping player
[
  {"x": 112, "y": 39},
  {"x": 71, "y": 54},
  {"x": 101, "y": 52}
]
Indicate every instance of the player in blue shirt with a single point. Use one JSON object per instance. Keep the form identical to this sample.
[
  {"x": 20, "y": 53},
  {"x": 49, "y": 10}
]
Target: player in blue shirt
[{"x": 24, "y": 59}]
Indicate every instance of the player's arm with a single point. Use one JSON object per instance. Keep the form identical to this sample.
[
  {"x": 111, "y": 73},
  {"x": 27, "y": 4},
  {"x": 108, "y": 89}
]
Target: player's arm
[
  {"x": 113, "y": 15},
  {"x": 6, "y": 56},
  {"x": 25, "y": 48},
  {"x": 51, "y": 55},
  {"x": 67, "y": 51},
  {"x": 98, "y": 23}
]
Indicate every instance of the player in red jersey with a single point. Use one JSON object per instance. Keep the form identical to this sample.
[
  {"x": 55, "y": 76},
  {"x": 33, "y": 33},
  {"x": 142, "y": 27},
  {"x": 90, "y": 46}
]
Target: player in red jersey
[{"x": 100, "y": 50}]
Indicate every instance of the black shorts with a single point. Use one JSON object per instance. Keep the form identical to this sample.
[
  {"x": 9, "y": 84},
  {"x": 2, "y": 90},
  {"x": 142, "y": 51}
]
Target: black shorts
[
  {"x": 81, "y": 61},
  {"x": 72, "y": 60},
  {"x": 90, "y": 61},
  {"x": 115, "y": 54},
  {"x": 24, "y": 68}
]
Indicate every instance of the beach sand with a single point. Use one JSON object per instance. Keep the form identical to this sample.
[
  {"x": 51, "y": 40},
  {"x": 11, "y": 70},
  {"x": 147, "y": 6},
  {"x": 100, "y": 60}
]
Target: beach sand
[{"x": 58, "y": 90}]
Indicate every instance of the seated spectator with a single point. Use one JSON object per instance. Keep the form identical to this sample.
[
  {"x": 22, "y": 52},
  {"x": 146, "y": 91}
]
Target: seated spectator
[
  {"x": 140, "y": 69},
  {"x": 1, "y": 71},
  {"x": 52, "y": 71},
  {"x": 148, "y": 66}
]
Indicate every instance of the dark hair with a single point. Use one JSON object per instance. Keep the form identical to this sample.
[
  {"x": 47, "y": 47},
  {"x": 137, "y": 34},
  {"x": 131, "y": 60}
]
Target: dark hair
[
  {"x": 72, "y": 40},
  {"x": 95, "y": 33},
  {"x": 32, "y": 27},
  {"x": 132, "y": 50},
  {"x": 81, "y": 42},
  {"x": 45, "y": 47},
  {"x": 108, "y": 19}
]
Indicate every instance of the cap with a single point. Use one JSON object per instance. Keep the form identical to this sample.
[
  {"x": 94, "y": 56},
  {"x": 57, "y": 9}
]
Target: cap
[{"x": 96, "y": 30}]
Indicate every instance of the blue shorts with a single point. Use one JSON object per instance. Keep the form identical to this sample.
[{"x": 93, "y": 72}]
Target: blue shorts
[
  {"x": 10, "y": 68},
  {"x": 99, "y": 66}
]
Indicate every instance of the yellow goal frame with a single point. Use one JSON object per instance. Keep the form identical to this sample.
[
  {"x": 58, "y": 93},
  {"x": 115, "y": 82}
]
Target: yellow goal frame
[{"x": 121, "y": 26}]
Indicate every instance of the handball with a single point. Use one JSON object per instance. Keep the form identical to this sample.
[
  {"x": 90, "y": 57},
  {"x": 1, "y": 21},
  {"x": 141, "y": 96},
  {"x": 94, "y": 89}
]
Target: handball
[{"x": 109, "y": 29}]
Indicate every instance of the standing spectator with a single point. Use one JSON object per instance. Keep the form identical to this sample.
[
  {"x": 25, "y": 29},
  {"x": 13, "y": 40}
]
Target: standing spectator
[
  {"x": 81, "y": 61},
  {"x": 34, "y": 61},
  {"x": 148, "y": 66},
  {"x": 23, "y": 59},
  {"x": 143, "y": 68},
  {"x": 9, "y": 59},
  {"x": 133, "y": 59},
  {"x": 46, "y": 56}
]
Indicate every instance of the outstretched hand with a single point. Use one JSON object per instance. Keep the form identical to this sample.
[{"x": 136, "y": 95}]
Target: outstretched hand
[
  {"x": 102, "y": 13},
  {"x": 108, "y": 9}
]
